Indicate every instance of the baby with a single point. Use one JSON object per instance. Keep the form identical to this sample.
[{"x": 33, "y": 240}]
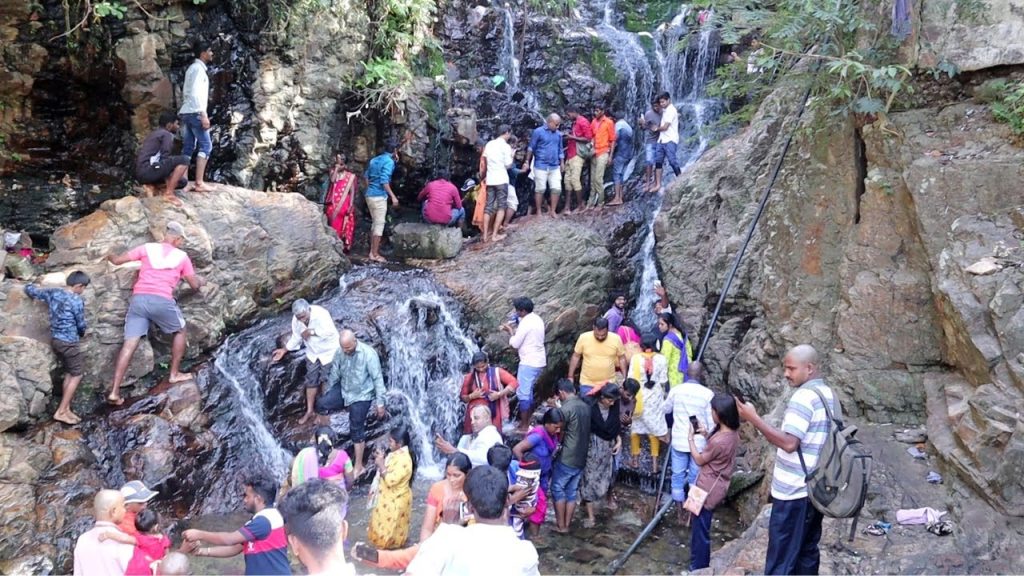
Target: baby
[
  {"x": 150, "y": 544},
  {"x": 527, "y": 477}
]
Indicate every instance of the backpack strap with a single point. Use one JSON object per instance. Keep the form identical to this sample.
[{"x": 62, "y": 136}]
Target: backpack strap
[{"x": 830, "y": 420}]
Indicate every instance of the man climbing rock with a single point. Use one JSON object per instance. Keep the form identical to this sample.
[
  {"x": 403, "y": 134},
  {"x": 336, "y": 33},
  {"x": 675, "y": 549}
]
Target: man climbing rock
[
  {"x": 164, "y": 264},
  {"x": 355, "y": 381},
  {"x": 312, "y": 328}
]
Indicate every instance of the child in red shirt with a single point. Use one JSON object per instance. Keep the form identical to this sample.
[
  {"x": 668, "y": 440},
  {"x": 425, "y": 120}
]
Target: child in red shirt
[{"x": 150, "y": 544}]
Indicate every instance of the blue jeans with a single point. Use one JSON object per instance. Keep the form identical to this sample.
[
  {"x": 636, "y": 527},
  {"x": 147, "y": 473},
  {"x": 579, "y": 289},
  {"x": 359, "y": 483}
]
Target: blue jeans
[
  {"x": 650, "y": 149},
  {"x": 794, "y": 531},
  {"x": 193, "y": 133},
  {"x": 457, "y": 214},
  {"x": 565, "y": 483},
  {"x": 527, "y": 377},
  {"x": 684, "y": 473},
  {"x": 619, "y": 164},
  {"x": 667, "y": 151},
  {"x": 700, "y": 541}
]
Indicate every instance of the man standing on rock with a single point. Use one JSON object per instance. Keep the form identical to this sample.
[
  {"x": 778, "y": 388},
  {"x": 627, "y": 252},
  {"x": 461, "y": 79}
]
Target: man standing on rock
[
  {"x": 312, "y": 328},
  {"x": 526, "y": 335},
  {"x": 668, "y": 139},
  {"x": 378, "y": 190},
  {"x": 794, "y": 528},
  {"x": 355, "y": 381},
  {"x": 497, "y": 160},
  {"x": 196, "y": 95},
  {"x": 164, "y": 264},
  {"x": 549, "y": 160},
  {"x": 622, "y": 155},
  {"x": 154, "y": 163},
  {"x": 108, "y": 557},
  {"x": 650, "y": 122},
  {"x": 604, "y": 148},
  {"x": 580, "y": 137},
  {"x": 601, "y": 353},
  {"x": 441, "y": 201}
]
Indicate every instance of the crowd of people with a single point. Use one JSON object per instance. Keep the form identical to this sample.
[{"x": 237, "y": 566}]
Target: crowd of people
[{"x": 565, "y": 447}]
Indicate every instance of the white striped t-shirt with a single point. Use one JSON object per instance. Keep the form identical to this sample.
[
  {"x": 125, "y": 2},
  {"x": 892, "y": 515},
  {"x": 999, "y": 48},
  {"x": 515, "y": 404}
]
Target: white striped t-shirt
[{"x": 806, "y": 419}]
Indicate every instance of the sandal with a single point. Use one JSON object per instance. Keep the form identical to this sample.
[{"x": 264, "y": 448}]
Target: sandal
[{"x": 942, "y": 528}]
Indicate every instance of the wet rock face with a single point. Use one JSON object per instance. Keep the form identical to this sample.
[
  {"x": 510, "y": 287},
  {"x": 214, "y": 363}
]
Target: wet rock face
[{"x": 256, "y": 250}]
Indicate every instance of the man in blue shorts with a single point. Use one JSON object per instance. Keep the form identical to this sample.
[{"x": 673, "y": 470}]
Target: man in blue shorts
[{"x": 526, "y": 335}]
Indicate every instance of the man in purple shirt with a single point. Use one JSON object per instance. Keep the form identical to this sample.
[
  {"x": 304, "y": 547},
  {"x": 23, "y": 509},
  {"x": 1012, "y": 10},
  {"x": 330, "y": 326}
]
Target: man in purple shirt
[
  {"x": 441, "y": 201},
  {"x": 617, "y": 313}
]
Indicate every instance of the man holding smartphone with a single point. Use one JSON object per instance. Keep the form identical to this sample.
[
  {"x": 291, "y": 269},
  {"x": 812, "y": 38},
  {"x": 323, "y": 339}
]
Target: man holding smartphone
[{"x": 690, "y": 405}]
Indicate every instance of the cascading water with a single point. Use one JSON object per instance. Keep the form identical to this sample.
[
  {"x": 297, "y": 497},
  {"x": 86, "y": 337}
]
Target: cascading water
[
  {"x": 406, "y": 315},
  {"x": 630, "y": 61}
]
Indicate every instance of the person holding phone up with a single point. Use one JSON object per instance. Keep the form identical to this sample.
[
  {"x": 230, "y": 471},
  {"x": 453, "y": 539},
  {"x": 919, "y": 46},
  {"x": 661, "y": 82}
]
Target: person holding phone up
[{"x": 690, "y": 405}]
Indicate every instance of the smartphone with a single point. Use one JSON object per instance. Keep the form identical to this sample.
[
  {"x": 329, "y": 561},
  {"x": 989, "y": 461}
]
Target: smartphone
[
  {"x": 693, "y": 422},
  {"x": 657, "y": 283},
  {"x": 364, "y": 552},
  {"x": 464, "y": 514}
]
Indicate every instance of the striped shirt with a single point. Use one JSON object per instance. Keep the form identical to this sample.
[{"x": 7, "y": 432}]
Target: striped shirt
[
  {"x": 689, "y": 398},
  {"x": 806, "y": 419},
  {"x": 266, "y": 547}
]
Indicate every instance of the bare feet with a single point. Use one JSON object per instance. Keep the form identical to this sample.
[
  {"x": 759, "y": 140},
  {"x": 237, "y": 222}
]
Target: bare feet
[
  {"x": 561, "y": 530},
  {"x": 377, "y": 258},
  {"x": 200, "y": 187},
  {"x": 358, "y": 472},
  {"x": 614, "y": 203},
  {"x": 611, "y": 505},
  {"x": 588, "y": 523},
  {"x": 172, "y": 199},
  {"x": 115, "y": 400},
  {"x": 306, "y": 417},
  {"x": 179, "y": 377},
  {"x": 498, "y": 237},
  {"x": 67, "y": 417}
]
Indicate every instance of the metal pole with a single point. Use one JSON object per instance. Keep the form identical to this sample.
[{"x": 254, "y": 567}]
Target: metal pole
[{"x": 616, "y": 565}]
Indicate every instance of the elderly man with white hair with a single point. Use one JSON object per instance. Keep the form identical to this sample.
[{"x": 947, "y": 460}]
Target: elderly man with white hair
[
  {"x": 355, "y": 382},
  {"x": 474, "y": 445},
  {"x": 314, "y": 329}
]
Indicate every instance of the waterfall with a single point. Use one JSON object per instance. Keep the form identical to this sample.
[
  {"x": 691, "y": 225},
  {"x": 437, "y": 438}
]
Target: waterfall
[{"x": 630, "y": 61}]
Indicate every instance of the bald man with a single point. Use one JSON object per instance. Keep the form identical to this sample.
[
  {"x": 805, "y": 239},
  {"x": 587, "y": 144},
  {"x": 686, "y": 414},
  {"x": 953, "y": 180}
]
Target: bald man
[
  {"x": 795, "y": 525},
  {"x": 109, "y": 557},
  {"x": 355, "y": 381},
  {"x": 548, "y": 162}
]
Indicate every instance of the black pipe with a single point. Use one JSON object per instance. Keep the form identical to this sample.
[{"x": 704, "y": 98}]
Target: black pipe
[{"x": 616, "y": 565}]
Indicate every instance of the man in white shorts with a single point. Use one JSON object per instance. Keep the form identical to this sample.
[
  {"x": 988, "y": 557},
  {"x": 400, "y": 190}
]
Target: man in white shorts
[{"x": 549, "y": 160}]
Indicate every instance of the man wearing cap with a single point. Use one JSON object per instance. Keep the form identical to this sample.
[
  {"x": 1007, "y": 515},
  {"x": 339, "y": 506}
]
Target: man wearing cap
[
  {"x": 136, "y": 496},
  {"x": 164, "y": 264},
  {"x": 312, "y": 327}
]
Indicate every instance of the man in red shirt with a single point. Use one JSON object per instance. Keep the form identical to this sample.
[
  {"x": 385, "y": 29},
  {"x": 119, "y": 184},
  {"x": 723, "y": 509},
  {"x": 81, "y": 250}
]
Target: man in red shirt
[
  {"x": 164, "y": 264},
  {"x": 441, "y": 202},
  {"x": 581, "y": 134}
]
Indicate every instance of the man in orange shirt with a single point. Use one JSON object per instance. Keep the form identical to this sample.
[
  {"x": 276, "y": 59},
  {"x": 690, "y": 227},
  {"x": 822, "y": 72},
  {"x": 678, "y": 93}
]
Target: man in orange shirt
[{"x": 604, "y": 145}]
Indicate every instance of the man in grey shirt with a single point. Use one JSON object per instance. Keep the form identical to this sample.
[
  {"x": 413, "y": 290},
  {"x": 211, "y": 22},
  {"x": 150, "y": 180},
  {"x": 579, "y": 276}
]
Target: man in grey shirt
[
  {"x": 649, "y": 124},
  {"x": 355, "y": 381}
]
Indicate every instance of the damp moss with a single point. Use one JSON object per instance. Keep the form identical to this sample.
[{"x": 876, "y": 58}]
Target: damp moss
[
  {"x": 601, "y": 63},
  {"x": 645, "y": 16}
]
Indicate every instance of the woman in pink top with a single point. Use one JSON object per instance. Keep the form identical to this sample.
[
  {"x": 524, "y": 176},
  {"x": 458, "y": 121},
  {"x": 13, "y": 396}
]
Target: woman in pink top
[{"x": 335, "y": 465}]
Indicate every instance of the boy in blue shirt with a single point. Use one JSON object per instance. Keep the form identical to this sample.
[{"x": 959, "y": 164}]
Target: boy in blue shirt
[{"x": 67, "y": 326}]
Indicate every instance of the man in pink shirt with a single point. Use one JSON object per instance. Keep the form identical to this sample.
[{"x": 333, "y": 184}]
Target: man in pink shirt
[
  {"x": 108, "y": 557},
  {"x": 441, "y": 202},
  {"x": 164, "y": 264}
]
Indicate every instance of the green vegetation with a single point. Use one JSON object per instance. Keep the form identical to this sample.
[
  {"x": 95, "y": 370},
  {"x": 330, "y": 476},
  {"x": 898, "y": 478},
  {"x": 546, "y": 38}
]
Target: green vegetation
[
  {"x": 1009, "y": 107},
  {"x": 601, "y": 64},
  {"x": 400, "y": 32},
  {"x": 80, "y": 14},
  {"x": 642, "y": 16},
  {"x": 850, "y": 63}
]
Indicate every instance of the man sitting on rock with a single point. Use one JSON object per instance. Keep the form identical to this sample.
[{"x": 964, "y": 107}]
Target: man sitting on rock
[
  {"x": 164, "y": 264},
  {"x": 441, "y": 201},
  {"x": 154, "y": 163},
  {"x": 314, "y": 329}
]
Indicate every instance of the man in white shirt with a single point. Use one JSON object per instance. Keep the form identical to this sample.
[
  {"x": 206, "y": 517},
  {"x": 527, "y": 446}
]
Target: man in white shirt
[
  {"x": 474, "y": 445},
  {"x": 668, "y": 139},
  {"x": 109, "y": 557},
  {"x": 691, "y": 398},
  {"x": 498, "y": 159},
  {"x": 489, "y": 546},
  {"x": 312, "y": 327},
  {"x": 526, "y": 335},
  {"x": 314, "y": 517},
  {"x": 194, "y": 119}
]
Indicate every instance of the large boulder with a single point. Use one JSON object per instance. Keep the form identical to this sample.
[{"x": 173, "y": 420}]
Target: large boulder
[
  {"x": 418, "y": 240},
  {"x": 25, "y": 381},
  {"x": 969, "y": 35},
  {"x": 257, "y": 251}
]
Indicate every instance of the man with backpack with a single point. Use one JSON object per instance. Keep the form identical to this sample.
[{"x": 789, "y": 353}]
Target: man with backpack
[{"x": 795, "y": 525}]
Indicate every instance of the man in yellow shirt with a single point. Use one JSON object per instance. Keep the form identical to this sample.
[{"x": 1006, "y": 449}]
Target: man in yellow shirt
[{"x": 601, "y": 352}]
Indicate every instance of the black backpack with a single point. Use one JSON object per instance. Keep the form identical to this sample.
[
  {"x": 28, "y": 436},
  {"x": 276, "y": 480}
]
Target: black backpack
[{"x": 838, "y": 485}]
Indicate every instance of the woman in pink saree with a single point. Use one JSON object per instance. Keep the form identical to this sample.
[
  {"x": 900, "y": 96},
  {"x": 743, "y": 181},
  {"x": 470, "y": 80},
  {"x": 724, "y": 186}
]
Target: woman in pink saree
[{"x": 339, "y": 206}]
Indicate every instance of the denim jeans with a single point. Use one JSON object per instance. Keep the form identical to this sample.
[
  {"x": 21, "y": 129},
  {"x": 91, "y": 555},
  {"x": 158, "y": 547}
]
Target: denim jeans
[
  {"x": 667, "y": 151},
  {"x": 794, "y": 531},
  {"x": 565, "y": 482},
  {"x": 684, "y": 473},
  {"x": 194, "y": 134},
  {"x": 527, "y": 377},
  {"x": 700, "y": 541}
]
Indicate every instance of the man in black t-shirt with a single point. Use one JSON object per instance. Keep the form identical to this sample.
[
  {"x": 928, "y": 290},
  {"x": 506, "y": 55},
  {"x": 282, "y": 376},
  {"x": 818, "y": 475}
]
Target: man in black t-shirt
[{"x": 154, "y": 163}]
